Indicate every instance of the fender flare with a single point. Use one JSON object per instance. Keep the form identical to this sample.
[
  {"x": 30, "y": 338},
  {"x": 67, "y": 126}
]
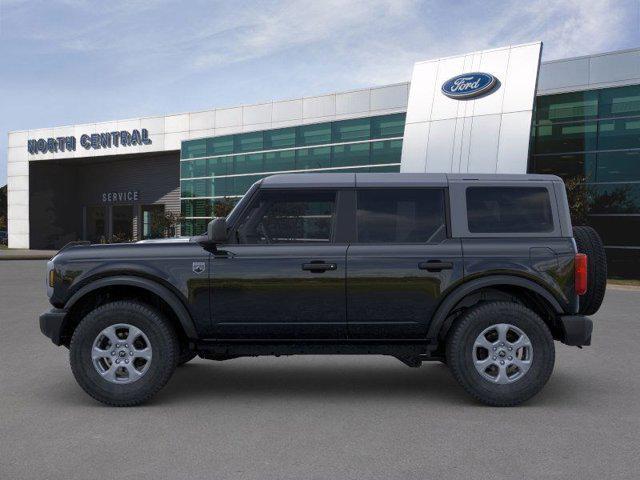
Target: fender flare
[
  {"x": 154, "y": 287},
  {"x": 455, "y": 296}
]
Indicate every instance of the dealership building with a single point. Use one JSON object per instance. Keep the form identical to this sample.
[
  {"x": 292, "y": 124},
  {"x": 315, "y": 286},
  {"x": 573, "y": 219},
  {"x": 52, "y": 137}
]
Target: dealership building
[{"x": 578, "y": 118}]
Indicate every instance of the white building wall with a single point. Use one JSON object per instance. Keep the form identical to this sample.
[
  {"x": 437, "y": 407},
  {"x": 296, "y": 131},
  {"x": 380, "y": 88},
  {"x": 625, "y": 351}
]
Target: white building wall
[
  {"x": 167, "y": 133},
  {"x": 487, "y": 134}
]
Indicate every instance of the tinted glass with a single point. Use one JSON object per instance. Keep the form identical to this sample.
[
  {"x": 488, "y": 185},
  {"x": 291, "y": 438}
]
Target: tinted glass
[
  {"x": 280, "y": 138},
  {"x": 388, "y": 126},
  {"x": 618, "y": 166},
  {"x": 352, "y": 130},
  {"x": 277, "y": 217},
  {"x": 508, "y": 210},
  {"x": 314, "y": 134},
  {"x": 401, "y": 215}
]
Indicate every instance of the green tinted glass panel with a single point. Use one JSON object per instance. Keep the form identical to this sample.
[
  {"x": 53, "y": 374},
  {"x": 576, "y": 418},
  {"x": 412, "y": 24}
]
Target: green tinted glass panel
[
  {"x": 280, "y": 161},
  {"x": 388, "y": 151},
  {"x": 223, "y": 186},
  {"x": 566, "y": 166},
  {"x": 346, "y": 155},
  {"x": 248, "y": 163},
  {"x": 186, "y": 188},
  {"x": 248, "y": 142},
  {"x": 313, "y": 134},
  {"x": 573, "y": 137},
  {"x": 307, "y": 158},
  {"x": 385, "y": 169},
  {"x": 352, "y": 130},
  {"x": 186, "y": 170},
  {"x": 618, "y": 166},
  {"x": 615, "y": 134},
  {"x": 242, "y": 184},
  {"x": 190, "y": 228},
  {"x": 194, "y": 148},
  {"x": 220, "y": 145},
  {"x": 566, "y": 107},
  {"x": 280, "y": 138},
  {"x": 388, "y": 126},
  {"x": 615, "y": 198},
  {"x": 197, "y": 208},
  {"x": 620, "y": 102},
  {"x": 220, "y": 166}
]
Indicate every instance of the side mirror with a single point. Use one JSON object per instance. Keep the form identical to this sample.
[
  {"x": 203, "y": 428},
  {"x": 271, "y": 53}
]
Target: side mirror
[{"x": 217, "y": 230}]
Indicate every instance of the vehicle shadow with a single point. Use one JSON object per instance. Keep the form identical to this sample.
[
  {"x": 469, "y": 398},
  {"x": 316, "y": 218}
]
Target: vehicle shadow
[{"x": 351, "y": 380}]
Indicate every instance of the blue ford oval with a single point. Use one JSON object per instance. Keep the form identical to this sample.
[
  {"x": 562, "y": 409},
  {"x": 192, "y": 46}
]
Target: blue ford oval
[{"x": 468, "y": 85}]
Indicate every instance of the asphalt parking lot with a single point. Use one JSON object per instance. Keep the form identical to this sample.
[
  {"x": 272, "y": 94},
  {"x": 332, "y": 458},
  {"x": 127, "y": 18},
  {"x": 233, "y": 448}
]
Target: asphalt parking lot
[{"x": 315, "y": 417}]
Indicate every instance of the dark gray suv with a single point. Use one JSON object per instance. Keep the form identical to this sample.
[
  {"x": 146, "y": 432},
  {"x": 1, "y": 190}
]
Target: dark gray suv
[{"x": 482, "y": 272}]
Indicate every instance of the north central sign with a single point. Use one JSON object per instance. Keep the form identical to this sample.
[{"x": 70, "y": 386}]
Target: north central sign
[
  {"x": 469, "y": 85},
  {"x": 93, "y": 141}
]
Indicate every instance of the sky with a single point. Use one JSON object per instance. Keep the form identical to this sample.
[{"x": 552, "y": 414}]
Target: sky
[{"x": 65, "y": 62}]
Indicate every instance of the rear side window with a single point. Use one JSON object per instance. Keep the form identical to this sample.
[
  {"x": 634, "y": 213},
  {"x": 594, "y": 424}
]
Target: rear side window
[
  {"x": 401, "y": 215},
  {"x": 509, "y": 210}
]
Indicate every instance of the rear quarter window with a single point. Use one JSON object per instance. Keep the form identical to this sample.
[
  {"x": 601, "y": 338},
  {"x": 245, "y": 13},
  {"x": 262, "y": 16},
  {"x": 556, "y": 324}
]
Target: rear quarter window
[{"x": 509, "y": 210}]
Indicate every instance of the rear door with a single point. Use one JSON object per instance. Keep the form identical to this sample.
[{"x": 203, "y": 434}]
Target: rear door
[{"x": 401, "y": 261}]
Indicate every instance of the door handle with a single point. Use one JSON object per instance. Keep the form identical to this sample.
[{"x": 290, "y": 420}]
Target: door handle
[
  {"x": 319, "y": 267},
  {"x": 435, "y": 266}
]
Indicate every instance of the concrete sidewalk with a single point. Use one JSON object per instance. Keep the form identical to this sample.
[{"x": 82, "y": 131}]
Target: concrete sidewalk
[{"x": 24, "y": 254}]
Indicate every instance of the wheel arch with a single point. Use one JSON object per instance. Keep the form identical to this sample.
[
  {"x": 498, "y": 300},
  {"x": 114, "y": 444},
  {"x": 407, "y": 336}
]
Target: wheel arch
[
  {"x": 132, "y": 287},
  {"x": 535, "y": 296}
]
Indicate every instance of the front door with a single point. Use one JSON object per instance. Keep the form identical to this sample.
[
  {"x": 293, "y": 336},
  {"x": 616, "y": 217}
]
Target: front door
[
  {"x": 401, "y": 262},
  {"x": 284, "y": 277}
]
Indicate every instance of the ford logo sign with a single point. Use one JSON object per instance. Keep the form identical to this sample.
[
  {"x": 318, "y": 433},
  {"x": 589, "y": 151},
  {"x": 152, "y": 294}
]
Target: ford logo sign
[{"x": 468, "y": 85}]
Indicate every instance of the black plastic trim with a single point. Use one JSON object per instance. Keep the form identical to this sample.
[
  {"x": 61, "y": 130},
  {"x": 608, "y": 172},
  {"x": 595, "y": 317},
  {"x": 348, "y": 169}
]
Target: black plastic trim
[{"x": 164, "y": 293}]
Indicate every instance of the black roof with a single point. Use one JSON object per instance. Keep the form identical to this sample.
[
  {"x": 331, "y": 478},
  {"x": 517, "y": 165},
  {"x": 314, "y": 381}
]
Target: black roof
[{"x": 337, "y": 180}]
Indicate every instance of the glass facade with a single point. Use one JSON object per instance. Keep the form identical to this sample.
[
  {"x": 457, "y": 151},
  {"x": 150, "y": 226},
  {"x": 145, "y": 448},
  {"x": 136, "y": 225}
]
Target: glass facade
[
  {"x": 593, "y": 138},
  {"x": 217, "y": 169}
]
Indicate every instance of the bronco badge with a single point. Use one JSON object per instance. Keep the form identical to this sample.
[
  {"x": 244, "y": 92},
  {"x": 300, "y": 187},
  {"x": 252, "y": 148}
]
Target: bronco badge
[{"x": 198, "y": 267}]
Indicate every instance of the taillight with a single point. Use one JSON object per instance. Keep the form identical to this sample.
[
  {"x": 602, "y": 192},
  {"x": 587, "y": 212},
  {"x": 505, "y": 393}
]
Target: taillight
[{"x": 580, "y": 265}]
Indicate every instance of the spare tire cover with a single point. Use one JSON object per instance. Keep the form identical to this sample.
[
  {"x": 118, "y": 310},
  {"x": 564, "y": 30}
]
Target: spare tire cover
[{"x": 588, "y": 242}]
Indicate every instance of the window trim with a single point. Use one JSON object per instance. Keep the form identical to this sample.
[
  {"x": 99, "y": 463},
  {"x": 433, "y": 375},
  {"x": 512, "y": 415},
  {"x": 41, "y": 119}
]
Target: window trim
[{"x": 446, "y": 206}]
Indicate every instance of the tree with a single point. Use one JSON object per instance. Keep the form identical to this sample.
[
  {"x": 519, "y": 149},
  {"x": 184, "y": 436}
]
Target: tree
[
  {"x": 3, "y": 208},
  {"x": 223, "y": 207},
  {"x": 163, "y": 224}
]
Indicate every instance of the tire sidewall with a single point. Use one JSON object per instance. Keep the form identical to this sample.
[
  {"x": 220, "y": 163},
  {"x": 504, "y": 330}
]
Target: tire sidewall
[
  {"x": 460, "y": 353},
  {"x": 162, "y": 344}
]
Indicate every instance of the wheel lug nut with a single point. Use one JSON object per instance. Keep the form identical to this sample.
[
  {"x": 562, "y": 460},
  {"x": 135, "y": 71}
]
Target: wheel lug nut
[
  {"x": 113, "y": 352},
  {"x": 126, "y": 361},
  {"x": 501, "y": 362},
  {"x": 131, "y": 353},
  {"x": 510, "y": 348},
  {"x": 494, "y": 349},
  {"x": 502, "y": 344},
  {"x": 494, "y": 357},
  {"x": 118, "y": 361}
]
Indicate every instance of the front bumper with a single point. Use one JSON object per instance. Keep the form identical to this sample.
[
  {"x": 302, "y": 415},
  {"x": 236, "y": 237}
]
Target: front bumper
[
  {"x": 51, "y": 323},
  {"x": 576, "y": 330}
]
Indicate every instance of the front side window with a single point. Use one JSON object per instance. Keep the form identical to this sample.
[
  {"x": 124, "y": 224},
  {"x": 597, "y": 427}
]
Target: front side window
[
  {"x": 401, "y": 215},
  {"x": 509, "y": 210},
  {"x": 280, "y": 216}
]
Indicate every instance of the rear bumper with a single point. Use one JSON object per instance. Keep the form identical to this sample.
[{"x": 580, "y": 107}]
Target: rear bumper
[
  {"x": 51, "y": 323},
  {"x": 576, "y": 330}
]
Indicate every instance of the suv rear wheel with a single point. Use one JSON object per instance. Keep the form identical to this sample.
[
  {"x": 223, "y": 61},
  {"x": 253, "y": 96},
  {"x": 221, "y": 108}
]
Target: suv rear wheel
[
  {"x": 122, "y": 353},
  {"x": 501, "y": 353}
]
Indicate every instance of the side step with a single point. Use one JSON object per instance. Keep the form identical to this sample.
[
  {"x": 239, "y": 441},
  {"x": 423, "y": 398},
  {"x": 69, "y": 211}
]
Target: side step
[{"x": 411, "y": 353}]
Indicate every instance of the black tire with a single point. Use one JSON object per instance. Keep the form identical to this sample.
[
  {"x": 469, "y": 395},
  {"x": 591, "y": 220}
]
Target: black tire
[
  {"x": 163, "y": 342},
  {"x": 460, "y": 348},
  {"x": 588, "y": 242}
]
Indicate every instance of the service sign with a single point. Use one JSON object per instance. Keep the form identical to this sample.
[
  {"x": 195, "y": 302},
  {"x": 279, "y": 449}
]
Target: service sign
[
  {"x": 93, "y": 141},
  {"x": 469, "y": 85}
]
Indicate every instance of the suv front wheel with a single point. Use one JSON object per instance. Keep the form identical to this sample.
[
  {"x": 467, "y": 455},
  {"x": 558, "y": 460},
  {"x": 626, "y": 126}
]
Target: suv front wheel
[
  {"x": 123, "y": 352},
  {"x": 501, "y": 353}
]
